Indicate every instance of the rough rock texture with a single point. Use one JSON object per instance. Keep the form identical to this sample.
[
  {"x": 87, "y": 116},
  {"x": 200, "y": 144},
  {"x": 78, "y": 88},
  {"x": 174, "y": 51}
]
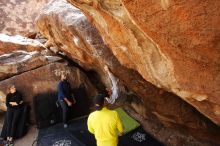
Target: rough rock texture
[
  {"x": 67, "y": 28},
  {"x": 172, "y": 44},
  {"x": 13, "y": 43},
  {"x": 44, "y": 80},
  {"x": 19, "y": 54},
  {"x": 17, "y": 16},
  {"x": 22, "y": 61}
]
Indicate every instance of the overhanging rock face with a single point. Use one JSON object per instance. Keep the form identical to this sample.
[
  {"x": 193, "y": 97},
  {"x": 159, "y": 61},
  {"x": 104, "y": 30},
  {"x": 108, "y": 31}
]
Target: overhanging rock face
[
  {"x": 68, "y": 29},
  {"x": 172, "y": 44}
]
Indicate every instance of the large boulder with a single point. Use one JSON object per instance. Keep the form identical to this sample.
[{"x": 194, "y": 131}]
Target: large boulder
[
  {"x": 172, "y": 44},
  {"x": 21, "y": 61},
  {"x": 12, "y": 43},
  {"x": 17, "y": 16},
  {"x": 44, "y": 80},
  {"x": 19, "y": 54},
  {"x": 67, "y": 28}
]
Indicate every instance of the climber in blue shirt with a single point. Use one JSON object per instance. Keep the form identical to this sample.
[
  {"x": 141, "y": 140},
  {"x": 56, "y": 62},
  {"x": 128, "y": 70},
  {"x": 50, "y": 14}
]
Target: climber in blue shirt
[{"x": 64, "y": 96}]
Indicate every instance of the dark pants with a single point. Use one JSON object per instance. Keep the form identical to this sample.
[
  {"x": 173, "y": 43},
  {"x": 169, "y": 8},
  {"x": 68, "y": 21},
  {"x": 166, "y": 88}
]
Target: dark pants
[
  {"x": 13, "y": 116},
  {"x": 64, "y": 107}
]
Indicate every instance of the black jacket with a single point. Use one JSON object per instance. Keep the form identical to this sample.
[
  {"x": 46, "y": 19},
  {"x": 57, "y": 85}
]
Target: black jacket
[{"x": 14, "y": 97}]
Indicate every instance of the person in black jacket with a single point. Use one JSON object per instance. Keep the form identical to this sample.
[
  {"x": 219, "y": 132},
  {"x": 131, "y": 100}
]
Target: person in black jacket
[
  {"x": 65, "y": 96},
  {"x": 14, "y": 105}
]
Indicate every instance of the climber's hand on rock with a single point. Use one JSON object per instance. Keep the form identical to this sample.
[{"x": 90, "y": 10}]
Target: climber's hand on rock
[
  {"x": 106, "y": 68},
  {"x": 69, "y": 103}
]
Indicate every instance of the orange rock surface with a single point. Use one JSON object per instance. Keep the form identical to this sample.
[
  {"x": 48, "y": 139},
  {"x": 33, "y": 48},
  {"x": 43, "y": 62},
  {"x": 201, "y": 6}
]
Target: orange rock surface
[
  {"x": 172, "y": 44},
  {"x": 136, "y": 60}
]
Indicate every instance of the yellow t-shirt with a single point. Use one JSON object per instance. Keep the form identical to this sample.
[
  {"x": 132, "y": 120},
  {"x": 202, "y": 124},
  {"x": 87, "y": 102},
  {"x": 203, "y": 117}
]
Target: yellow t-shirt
[{"x": 105, "y": 125}]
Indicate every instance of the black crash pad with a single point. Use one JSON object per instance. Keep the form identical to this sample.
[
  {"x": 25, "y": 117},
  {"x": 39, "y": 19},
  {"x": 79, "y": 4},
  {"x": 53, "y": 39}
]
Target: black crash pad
[{"x": 77, "y": 135}]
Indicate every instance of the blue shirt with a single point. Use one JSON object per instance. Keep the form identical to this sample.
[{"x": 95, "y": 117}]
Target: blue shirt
[{"x": 64, "y": 90}]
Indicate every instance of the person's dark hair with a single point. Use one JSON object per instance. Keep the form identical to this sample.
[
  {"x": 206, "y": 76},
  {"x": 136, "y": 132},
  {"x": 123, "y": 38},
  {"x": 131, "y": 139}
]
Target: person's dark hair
[{"x": 99, "y": 101}]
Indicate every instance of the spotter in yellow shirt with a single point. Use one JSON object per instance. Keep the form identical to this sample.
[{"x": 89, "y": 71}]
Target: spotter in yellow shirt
[{"x": 105, "y": 125}]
